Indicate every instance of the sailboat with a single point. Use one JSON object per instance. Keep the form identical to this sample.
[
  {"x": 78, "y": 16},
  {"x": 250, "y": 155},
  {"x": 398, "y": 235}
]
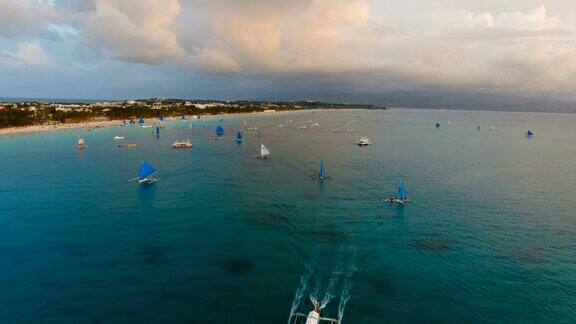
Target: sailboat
[
  {"x": 147, "y": 172},
  {"x": 402, "y": 196},
  {"x": 529, "y": 134},
  {"x": 141, "y": 121},
  {"x": 264, "y": 153},
  {"x": 157, "y": 131},
  {"x": 220, "y": 130},
  {"x": 81, "y": 144},
  {"x": 238, "y": 138},
  {"x": 321, "y": 174},
  {"x": 437, "y": 125}
]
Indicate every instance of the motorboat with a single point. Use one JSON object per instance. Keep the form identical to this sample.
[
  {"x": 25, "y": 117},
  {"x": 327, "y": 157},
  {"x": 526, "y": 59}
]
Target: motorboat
[
  {"x": 363, "y": 141},
  {"x": 182, "y": 144}
]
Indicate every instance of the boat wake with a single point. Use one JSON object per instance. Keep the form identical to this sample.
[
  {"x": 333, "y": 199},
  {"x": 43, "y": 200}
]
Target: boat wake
[
  {"x": 300, "y": 291},
  {"x": 338, "y": 286}
]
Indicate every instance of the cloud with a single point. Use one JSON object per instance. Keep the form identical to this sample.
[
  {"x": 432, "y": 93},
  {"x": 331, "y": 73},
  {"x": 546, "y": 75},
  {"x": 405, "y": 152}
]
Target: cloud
[
  {"x": 27, "y": 55},
  {"x": 134, "y": 30},
  {"x": 521, "y": 46},
  {"x": 25, "y": 17}
]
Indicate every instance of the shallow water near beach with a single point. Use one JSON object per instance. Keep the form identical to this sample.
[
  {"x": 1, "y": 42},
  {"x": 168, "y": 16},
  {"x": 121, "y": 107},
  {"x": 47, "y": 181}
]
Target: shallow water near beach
[{"x": 223, "y": 237}]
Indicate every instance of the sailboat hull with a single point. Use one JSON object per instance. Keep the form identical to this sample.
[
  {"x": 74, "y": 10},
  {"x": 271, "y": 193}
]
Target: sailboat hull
[{"x": 147, "y": 181}]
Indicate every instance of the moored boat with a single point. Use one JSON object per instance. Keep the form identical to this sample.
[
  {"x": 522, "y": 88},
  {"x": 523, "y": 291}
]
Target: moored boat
[
  {"x": 182, "y": 144},
  {"x": 363, "y": 141},
  {"x": 81, "y": 144}
]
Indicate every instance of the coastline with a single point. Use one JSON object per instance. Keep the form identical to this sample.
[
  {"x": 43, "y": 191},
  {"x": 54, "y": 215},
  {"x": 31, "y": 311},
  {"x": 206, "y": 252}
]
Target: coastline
[{"x": 33, "y": 129}]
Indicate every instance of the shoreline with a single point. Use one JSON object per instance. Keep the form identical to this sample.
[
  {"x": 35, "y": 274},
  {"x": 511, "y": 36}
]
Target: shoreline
[{"x": 33, "y": 129}]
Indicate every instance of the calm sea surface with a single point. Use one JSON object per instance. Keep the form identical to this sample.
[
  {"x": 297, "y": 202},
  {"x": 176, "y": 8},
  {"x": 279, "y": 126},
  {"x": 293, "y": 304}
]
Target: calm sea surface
[{"x": 226, "y": 238}]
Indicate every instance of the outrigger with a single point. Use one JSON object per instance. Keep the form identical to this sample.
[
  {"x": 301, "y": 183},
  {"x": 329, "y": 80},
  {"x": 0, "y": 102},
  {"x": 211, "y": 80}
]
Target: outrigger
[
  {"x": 81, "y": 144},
  {"x": 402, "y": 196},
  {"x": 321, "y": 174},
  {"x": 147, "y": 172},
  {"x": 264, "y": 153},
  {"x": 312, "y": 318},
  {"x": 182, "y": 144}
]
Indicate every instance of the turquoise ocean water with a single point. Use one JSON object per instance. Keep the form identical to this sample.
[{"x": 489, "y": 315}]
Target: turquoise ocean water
[{"x": 225, "y": 238}]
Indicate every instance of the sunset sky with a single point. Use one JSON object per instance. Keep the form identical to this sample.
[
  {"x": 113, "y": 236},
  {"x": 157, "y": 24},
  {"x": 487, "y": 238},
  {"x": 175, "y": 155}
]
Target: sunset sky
[{"x": 285, "y": 49}]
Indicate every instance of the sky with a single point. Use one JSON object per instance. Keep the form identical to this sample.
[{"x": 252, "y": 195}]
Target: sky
[{"x": 360, "y": 50}]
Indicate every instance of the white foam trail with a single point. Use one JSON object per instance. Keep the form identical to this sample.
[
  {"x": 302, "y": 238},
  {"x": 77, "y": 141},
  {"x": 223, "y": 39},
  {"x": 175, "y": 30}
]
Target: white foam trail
[
  {"x": 299, "y": 292},
  {"x": 346, "y": 288},
  {"x": 314, "y": 294},
  {"x": 330, "y": 290},
  {"x": 298, "y": 295}
]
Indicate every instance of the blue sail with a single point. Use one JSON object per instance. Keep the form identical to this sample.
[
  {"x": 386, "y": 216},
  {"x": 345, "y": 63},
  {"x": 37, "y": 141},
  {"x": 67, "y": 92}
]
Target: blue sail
[
  {"x": 437, "y": 125},
  {"x": 157, "y": 131},
  {"x": 161, "y": 117},
  {"x": 529, "y": 133},
  {"x": 402, "y": 191},
  {"x": 239, "y": 136},
  {"x": 322, "y": 172},
  {"x": 146, "y": 170},
  {"x": 219, "y": 130},
  {"x": 141, "y": 121}
]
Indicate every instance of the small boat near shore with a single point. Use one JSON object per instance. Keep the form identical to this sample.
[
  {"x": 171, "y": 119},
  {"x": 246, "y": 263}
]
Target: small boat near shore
[
  {"x": 239, "y": 137},
  {"x": 220, "y": 129},
  {"x": 186, "y": 144},
  {"x": 363, "y": 141},
  {"x": 529, "y": 134},
  {"x": 264, "y": 153},
  {"x": 146, "y": 175},
  {"x": 118, "y": 138},
  {"x": 81, "y": 144}
]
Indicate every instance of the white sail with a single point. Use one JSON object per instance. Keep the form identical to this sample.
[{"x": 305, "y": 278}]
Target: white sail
[
  {"x": 264, "y": 152},
  {"x": 81, "y": 142}
]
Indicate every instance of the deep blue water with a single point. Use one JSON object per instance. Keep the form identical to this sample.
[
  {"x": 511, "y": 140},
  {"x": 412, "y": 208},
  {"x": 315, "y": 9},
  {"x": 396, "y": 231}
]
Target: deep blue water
[{"x": 225, "y": 238}]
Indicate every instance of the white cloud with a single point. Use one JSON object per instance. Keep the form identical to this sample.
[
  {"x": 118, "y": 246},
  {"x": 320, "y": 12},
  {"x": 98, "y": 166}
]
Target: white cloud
[
  {"x": 25, "y": 17},
  {"x": 524, "y": 46},
  {"x": 27, "y": 55},
  {"x": 134, "y": 30},
  {"x": 428, "y": 44}
]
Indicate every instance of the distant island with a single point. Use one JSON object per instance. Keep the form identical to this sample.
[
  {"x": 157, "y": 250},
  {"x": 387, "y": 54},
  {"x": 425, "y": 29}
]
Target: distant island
[{"x": 42, "y": 113}]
